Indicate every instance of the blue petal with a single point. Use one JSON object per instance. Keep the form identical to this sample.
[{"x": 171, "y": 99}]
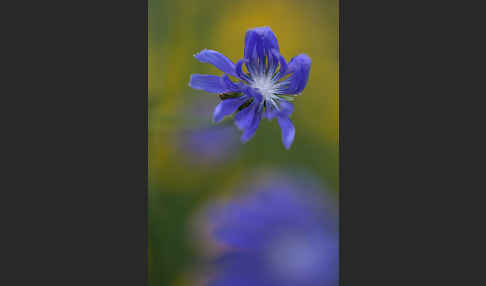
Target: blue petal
[
  {"x": 252, "y": 93},
  {"x": 209, "y": 83},
  {"x": 239, "y": 71},
  {"x": 286, "y": 108},
  {"x": 249, "y": 118},
  {"x": 251, "y": 42},
  {"x": 258, "y": 45},
  {"x": 227, "y": 107},
  {"x": 299, "y": 68},
  {"x": 260, "y": 36},
  {"x": 218, "y": 60},
  {"x": 250, "y": 131},
  {"x": 235, "y": 87},
  {"x": 270, "y": 112},
  {"x": 288, "y": 131},
  {"x": 299, "y": 62},
  {"x": 244, "y": 118},
  {"x": 283, "y": 66}
]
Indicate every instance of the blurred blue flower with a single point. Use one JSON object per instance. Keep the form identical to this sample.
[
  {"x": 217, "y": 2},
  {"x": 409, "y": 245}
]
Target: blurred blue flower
[
  {"x": 209, "y": 145},
  {"x": 280, "y": 235},
  {"x": 265, "y": 89},
  {"x": 202, "y": 143}
]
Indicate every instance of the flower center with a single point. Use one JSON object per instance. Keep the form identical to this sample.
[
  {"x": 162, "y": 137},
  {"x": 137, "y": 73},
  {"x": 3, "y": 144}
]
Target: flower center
[{"x": 266, "y": 86}]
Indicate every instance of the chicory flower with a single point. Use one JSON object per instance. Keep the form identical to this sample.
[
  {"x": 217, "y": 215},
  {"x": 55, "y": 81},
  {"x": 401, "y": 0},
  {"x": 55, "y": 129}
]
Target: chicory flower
[
  {"x": 266, "y": 89},
  {"x": 209, "y": 145}
]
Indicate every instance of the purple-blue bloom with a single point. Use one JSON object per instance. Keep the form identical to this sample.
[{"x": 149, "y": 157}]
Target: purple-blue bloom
[
  {"x": 201, "y": 143},
  {"x": 209, "y": 144},
  {"x": 266, "y": 89},
  {"x": 277, "y": 234}
]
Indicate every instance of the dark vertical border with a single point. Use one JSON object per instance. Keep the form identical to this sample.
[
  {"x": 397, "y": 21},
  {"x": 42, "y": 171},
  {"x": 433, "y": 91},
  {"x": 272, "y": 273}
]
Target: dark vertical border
[
  {"x": 364, "y": 241},
  {"x": 399, "y": 192},
  {"x": 81, "y": 145}
]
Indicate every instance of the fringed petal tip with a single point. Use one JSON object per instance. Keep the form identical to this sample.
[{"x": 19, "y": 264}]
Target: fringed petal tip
[
  {"x": 300, "y": 64},
  {"x": 264, "y": 34},
  {"x": 288, "y": 131},
  {"x": 201, "y": 52},
  {"x": 258, "y": 43},
  {"x": 244, "y": 138}
]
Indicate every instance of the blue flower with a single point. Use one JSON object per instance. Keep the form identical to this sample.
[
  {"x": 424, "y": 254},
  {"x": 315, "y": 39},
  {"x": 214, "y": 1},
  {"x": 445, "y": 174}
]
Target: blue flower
[
  {"x": 208, "y": 145},
  {"x": 265, "y": 90},
  {"x": 280, "y": 235},
  {"x": 201, "y": 143}
]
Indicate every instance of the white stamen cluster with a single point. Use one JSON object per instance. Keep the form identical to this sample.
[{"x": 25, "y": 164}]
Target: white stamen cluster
[{"x": 268, "y": 88}]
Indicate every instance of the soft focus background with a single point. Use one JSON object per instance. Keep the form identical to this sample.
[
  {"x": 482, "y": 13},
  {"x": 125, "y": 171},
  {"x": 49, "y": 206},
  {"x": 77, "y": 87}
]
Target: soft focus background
[{"x": 193, "y": 162}]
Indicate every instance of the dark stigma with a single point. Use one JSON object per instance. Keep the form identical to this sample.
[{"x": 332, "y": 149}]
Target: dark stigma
[
  {"x": 245, "y": 105},
  {"x": 224, "y": 96}
]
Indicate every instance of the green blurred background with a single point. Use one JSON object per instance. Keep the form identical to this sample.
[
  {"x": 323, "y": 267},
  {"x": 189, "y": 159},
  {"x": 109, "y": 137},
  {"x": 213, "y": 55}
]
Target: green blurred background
[{"x": 179, "y": 183}]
